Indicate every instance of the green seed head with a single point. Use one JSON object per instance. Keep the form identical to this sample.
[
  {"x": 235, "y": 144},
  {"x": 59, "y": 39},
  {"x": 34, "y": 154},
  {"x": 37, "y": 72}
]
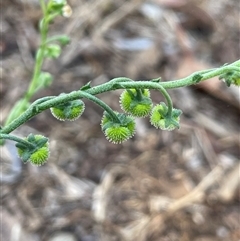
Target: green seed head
[
  {"x": 40, "y": 157},
  {"x": 160, "y": 119},
  {"x": 135, "y": 104},
  {"x": 69, "y": 111},
  {"x": 37, "y": 156},
  {"x": 118, "y": 132}
]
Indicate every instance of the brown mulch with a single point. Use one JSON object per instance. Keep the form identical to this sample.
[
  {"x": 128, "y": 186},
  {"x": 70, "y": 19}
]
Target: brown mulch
[{"x": 181, "y": 185}]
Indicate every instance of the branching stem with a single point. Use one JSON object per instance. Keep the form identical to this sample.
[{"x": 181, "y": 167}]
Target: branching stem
[{"x": 114, "y": 84}]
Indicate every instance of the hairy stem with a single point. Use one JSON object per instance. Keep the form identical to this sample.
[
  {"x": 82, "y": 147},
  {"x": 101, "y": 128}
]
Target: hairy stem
[
  {"x": 114, "y": 84},
  {"x": 17, "y": 139},
  {"x": 102, "y": 105},
  {"x": 20, "y": 106}
]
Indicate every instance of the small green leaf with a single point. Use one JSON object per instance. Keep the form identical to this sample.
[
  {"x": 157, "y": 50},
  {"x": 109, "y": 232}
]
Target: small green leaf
[
  {"x": 64, "y": 40},
  {"x": 55, "y": 6},
  {"x": 31, "y": 138},
  {"x": 20, "y": 146},
  {"x": 86, "y": 86},
  {"x": 157, "y": 80},
  {"x": 197, "y": 78},
  {"x": 35, "y": 109},
  {"x": 61, "y": 39},
  {"x": 41, "y": 142},
  {"x": 25, "y": 156}
]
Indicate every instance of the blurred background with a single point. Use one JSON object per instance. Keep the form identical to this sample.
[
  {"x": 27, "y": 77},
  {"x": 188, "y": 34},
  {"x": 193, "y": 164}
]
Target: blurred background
[{"x": 159, "y": 186}]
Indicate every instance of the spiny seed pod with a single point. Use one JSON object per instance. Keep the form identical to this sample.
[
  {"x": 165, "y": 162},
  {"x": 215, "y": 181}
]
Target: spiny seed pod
[
  {"x": 137, "y": 103},
  {"x": 69, "y": 111},
  {"x": 118, "y": 132},
  {"x": 39, "y": 155},
  {"x": 160, "y": 119}
]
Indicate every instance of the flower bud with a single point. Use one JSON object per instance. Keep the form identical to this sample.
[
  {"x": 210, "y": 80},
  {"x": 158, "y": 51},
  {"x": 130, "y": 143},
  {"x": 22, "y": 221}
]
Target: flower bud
[{"x": 67, "y": 11}]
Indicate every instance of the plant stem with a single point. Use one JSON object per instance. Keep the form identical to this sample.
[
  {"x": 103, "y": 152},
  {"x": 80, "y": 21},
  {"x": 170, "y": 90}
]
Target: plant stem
[
  {"x": 188, "y": 80},
  {"x": 17, "y": 139},
  {"x": 39, "y": 60},
  {"x": 102, "y": 105},
  {"x": 20, "y": 106},
  {"x": 114, "y": 84}
]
